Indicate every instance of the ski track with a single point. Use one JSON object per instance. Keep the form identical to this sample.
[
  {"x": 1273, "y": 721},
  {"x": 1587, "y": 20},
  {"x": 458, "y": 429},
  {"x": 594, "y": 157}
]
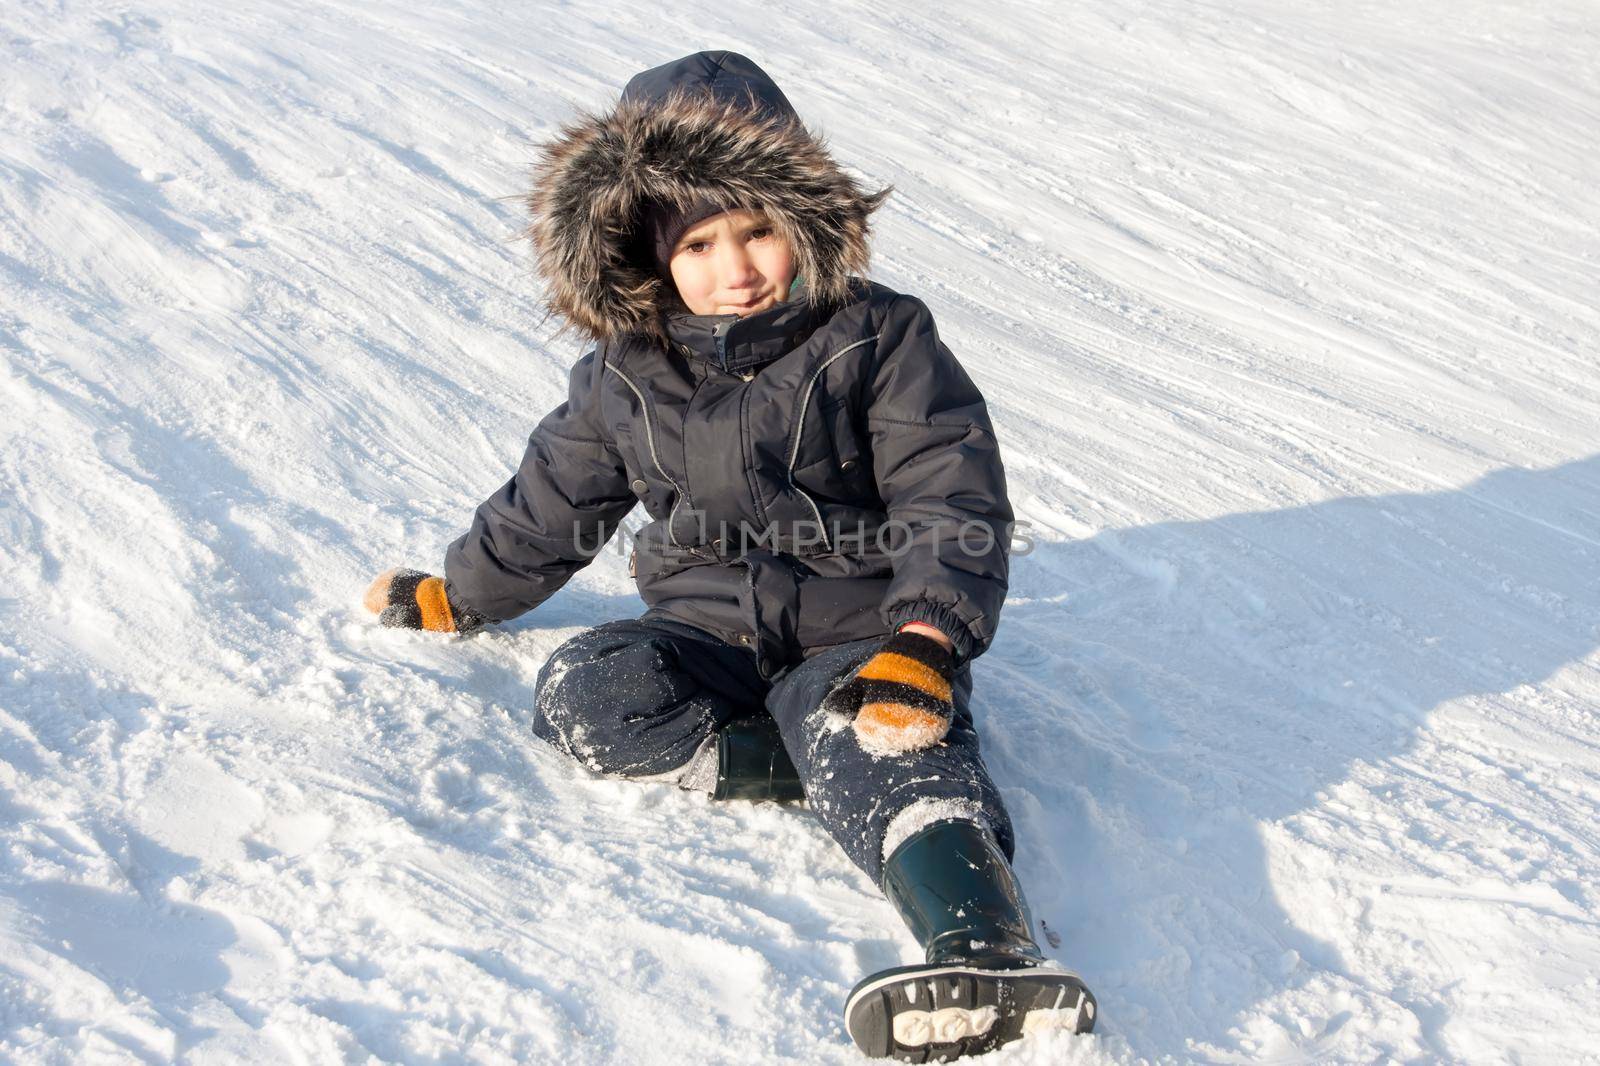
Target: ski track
[{"x": 1287, "y": 320}]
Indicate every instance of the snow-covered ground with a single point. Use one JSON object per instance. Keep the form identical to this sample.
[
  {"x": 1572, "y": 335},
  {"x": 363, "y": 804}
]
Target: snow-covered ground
[{"x": 1286, "y": 313}]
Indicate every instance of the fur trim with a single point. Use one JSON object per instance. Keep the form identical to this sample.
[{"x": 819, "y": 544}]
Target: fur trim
[{"x": 593, "y": 179}]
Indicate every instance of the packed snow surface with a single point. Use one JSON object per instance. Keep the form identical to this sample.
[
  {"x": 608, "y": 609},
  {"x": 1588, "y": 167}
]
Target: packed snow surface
[{"x": 1287, "y": 315}]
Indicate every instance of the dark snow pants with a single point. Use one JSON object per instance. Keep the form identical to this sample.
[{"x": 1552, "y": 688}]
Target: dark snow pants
[{"x": 638, "y": 697}]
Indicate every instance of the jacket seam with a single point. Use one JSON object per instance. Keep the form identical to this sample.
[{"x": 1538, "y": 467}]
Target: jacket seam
[
  {"x": 578, "y": 440},
  {"x": 900, "y": 421},
  {"x": 800, "y": 425}
]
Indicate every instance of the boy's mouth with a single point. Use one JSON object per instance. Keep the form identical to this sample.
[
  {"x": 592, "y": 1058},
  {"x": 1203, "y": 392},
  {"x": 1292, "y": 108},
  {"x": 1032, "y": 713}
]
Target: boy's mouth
[{"x": 746, "y": 307}]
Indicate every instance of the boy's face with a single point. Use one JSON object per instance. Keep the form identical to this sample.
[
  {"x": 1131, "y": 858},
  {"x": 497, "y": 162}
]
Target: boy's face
[{"x": 734, "y": 263}]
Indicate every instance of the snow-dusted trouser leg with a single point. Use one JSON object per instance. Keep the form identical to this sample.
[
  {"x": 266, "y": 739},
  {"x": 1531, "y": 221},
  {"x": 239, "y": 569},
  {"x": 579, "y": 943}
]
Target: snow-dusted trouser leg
[
  {"x": 858, "y": 796},
  {"x": 638, "y": 697}
]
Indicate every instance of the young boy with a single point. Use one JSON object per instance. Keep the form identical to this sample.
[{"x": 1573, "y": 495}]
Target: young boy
[{"x": 828, "y": 550}]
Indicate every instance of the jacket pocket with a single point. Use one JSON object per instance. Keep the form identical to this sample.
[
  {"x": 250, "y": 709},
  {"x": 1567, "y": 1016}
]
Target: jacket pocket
[
  {"x": 661, "y": 502},
  {"x": 852, "y": 460}
]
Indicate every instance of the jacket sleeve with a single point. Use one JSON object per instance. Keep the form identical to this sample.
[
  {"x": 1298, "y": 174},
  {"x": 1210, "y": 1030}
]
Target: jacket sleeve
[
  {"x": 938, "y": 470},
  {"x": 554, "y": 515}
]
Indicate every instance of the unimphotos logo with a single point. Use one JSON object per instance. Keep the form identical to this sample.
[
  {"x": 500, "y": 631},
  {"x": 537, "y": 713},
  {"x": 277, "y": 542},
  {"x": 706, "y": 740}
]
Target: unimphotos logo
[{"x": 892, "y": 538}]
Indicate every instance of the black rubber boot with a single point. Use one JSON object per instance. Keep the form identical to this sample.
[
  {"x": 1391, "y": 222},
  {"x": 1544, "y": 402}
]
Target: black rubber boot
[
  {"x": 752, "y": 763},
  {"x": 985, "y": 983}
]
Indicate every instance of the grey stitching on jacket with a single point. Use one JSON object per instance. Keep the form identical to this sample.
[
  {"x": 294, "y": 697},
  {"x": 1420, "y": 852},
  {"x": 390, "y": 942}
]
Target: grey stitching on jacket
[
  {"x": 799, "y": 425},
  {"x": 650, "y": 439}
]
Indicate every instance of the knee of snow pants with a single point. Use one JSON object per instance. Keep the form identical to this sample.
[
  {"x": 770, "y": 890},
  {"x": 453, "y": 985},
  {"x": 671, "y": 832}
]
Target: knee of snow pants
[
  {"x": 857, "y": 795},
  {"x": 638, "y": 697}
]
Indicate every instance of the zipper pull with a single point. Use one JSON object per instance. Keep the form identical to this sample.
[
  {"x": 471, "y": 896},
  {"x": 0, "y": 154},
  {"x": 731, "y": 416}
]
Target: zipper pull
[{"x": 720, "y": 334}]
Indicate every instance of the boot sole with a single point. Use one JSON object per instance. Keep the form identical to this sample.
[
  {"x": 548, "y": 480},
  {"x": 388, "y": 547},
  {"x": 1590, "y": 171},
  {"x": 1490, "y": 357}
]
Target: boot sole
[{"x": 939, "y": 1013}]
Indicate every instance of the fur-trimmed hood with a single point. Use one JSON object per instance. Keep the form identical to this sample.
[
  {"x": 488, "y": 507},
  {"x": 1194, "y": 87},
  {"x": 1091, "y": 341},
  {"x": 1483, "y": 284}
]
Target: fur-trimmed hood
[{"x": 710, "y": 125}]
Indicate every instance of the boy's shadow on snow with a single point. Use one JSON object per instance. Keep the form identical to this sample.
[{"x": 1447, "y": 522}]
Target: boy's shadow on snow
[{"x": 1157, "y": 695}]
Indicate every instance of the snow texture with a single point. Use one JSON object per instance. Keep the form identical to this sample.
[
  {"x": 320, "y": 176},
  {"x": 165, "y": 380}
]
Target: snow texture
[
  {"x": 1286, "y": 315},
  {"x": 925, "y": 812}
]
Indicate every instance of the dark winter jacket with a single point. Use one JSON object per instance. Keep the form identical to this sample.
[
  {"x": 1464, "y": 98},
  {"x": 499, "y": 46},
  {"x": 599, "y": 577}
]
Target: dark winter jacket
[{"x": 816, "y": 473}]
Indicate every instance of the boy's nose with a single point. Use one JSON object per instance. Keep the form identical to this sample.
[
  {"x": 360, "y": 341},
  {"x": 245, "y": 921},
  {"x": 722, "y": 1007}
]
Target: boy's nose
[{"x": 739, "y": 270}]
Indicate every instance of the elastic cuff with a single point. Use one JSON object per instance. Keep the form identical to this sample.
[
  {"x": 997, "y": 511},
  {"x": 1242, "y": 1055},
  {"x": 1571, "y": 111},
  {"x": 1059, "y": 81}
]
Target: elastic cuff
[
  {"x": 467, "y": 620},
  {"x": 943, "y": 618}
]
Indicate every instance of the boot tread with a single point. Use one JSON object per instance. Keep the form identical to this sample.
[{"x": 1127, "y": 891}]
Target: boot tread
[{"x": 940, "y": 1013}]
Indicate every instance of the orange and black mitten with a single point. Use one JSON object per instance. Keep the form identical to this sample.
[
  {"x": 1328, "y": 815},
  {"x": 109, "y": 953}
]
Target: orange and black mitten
[
  {"x": 899, "y": 700},
  {"x": 410, "y": 599}
]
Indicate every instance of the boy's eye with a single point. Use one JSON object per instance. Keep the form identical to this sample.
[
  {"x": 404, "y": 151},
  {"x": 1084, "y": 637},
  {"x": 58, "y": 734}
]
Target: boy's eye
[
  {"x": 761, "y": 233},
  {"x": 696, "y": 247}
]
